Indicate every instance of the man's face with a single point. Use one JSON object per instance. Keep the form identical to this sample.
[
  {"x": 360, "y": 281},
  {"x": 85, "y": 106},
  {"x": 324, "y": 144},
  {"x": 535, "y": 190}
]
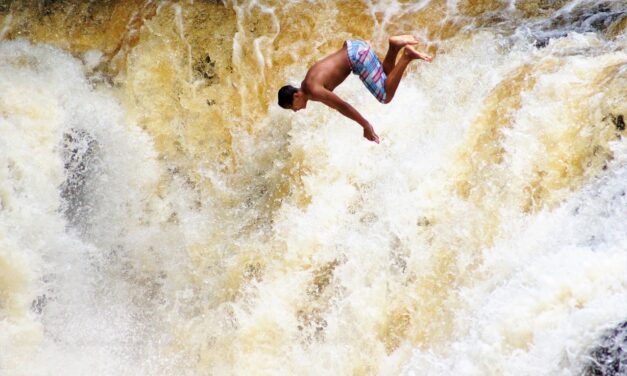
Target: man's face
[{"x": 299, "y": 102}]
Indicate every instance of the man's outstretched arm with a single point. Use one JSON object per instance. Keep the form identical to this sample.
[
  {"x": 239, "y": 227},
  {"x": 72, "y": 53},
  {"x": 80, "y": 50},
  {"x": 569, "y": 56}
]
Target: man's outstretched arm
[{"x": 332, "y": 100}]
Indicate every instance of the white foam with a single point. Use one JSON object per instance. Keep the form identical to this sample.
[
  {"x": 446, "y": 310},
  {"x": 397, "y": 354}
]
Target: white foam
[{"x": 73, "y": 276}]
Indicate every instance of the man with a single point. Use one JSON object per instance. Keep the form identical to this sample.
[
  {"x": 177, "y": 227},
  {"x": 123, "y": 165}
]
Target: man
[{"x": 381, "y": 79}]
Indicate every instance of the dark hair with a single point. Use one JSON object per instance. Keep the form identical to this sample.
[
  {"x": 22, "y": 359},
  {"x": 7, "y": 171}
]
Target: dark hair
[{"x": 286, "y": 96}]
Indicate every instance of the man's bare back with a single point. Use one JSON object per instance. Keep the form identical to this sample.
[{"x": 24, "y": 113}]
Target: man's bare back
[
  {"x": 329, "y": 72},
  {"x": 381, "y": 79}
]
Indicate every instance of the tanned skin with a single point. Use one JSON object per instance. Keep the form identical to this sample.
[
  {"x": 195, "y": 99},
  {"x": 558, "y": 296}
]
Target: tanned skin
[{"x": 326, "y": 74}]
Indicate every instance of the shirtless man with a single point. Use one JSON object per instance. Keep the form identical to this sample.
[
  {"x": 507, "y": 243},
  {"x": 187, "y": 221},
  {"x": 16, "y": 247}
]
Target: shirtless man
[{"x": 356, "y": 56}]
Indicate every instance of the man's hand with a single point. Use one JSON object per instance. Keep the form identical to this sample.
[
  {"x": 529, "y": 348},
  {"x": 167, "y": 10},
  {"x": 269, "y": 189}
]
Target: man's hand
[{"x": 369, "y": 134}]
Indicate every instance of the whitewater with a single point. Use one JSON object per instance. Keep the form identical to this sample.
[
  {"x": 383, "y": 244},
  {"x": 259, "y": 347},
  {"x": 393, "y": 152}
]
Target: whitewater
[{"x": 161, "y": 215}]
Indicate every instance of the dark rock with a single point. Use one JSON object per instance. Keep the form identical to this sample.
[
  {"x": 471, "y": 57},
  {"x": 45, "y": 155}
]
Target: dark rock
[
  {"x": 79, "y": 155},
  {"x": 5, "y": 6},
  {"x": 609, "y": 357},
  {"x": 619, "y": 122},
  {"x": 49, "y": 7},
  {"x": 541, "y": 42},
  {"x": 205, "y": 68},
  {"x": 595, "y": 18},
  {"x": 587, "y": 17}
]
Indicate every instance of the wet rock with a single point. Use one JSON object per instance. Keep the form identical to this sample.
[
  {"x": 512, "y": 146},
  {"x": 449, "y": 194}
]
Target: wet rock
[
  {"x": 619, "y": 122},
  {"x": 49, "y": 7},
  {"x": 79, "y": 156},
  {"x": 205, "y": 68},
  {"x": 541, "y": 42},
  {"x": 5, "y": 6},
  {"x": 596, "y": 18},
  {"x": 617, "y": 27},
  {"x": 609, "y": 357},
  {"x": 587, "y": 17}
]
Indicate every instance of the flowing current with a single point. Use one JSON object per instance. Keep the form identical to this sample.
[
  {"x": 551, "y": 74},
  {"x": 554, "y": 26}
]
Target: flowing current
[{"x": 161, "y": 215}]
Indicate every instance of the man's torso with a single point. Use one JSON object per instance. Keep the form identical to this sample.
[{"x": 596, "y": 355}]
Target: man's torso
[{"x": 328, "y": 72}]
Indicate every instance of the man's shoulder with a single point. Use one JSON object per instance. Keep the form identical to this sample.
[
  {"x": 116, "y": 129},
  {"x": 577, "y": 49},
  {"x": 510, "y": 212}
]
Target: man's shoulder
[
  {"x": 317, "y": 91},
  {"x": 311, "y": 86}
]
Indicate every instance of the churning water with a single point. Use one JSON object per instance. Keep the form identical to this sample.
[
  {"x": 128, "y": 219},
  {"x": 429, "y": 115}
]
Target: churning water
[{"x": 159, "y": 214}]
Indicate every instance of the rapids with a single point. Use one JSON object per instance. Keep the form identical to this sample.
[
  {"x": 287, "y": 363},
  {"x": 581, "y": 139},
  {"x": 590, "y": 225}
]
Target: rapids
[{"x": 161, "y": 215}]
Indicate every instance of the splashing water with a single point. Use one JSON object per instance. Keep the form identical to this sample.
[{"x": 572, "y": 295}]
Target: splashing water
[{"x": 160, "y": 215}]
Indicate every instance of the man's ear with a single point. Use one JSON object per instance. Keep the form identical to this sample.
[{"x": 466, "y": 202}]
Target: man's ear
[{"x": 298, "y": 94}]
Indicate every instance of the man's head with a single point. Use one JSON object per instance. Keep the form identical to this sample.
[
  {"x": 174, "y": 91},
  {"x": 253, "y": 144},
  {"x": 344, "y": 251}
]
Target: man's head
[{"x": 292, "y": 98}]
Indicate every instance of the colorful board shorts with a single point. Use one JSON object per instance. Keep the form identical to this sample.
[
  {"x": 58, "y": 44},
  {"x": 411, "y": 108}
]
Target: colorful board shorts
[{"x": 365, "y": 63}]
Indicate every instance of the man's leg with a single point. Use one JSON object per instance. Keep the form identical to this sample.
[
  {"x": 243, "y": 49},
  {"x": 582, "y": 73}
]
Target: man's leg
[
  {"x": 396, "y": 43},
  {"x": 394, "y": 77}
]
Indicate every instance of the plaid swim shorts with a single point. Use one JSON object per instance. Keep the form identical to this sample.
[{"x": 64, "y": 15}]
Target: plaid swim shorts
[{"x": 365, "y": 63}]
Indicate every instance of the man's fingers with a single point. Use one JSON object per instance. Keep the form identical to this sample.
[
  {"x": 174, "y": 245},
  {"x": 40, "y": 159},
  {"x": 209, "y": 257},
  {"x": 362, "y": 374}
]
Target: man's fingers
[{"x": 371, "y": 136}]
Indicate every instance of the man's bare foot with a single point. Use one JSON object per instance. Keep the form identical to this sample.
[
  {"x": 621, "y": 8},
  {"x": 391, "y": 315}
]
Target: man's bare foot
[
  {"x": 410, "y": 52},
  {"x": 403, "y": 40}
]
